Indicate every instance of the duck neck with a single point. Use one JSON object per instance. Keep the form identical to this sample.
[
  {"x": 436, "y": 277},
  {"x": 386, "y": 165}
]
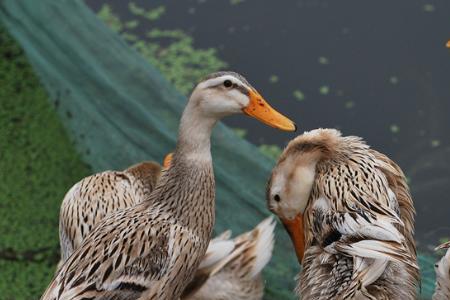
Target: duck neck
[
  {"x": 194, "y": 136},
  {"x": 191, "y": 175}
]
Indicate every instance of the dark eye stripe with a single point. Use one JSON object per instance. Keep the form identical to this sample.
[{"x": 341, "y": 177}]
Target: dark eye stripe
[
  {"x": 236, "y": 86},
  {"x": 241, "y": 89}
]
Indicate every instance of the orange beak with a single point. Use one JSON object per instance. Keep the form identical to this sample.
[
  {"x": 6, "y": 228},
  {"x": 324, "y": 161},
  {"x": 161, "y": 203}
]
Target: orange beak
[
  {"x": 259, "y": 109},
  {"x": 295, "y": 229},
  {"x": 167, "y": 160},
  {"x": 448, "y": 44}
]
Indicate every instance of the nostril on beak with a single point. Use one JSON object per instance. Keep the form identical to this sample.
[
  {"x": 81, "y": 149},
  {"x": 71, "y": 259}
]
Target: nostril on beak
[{"x": 277, "y": 198}]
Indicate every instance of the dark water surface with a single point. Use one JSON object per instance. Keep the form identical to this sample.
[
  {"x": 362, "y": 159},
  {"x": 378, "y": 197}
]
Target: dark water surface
[{"x": 377, "y": 69}]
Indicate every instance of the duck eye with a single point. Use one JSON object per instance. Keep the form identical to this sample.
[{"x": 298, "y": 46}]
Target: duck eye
[
  {"x": 277, "y": 198},
  {"x": 227, "y": 83}
]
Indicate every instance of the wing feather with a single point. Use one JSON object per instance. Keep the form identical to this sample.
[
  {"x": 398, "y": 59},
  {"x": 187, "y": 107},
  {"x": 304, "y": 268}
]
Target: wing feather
[{"x": 104, "y": 262}]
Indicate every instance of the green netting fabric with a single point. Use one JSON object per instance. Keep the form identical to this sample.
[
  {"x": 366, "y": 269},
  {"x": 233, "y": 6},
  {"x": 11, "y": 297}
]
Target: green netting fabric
[{"x": 120, "y": 110}]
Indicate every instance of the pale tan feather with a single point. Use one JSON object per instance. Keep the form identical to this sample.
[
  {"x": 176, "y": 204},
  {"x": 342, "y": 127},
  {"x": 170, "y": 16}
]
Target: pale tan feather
[
  {"x": 237, "y": 276},
  {"x": 93, "y": 198}
]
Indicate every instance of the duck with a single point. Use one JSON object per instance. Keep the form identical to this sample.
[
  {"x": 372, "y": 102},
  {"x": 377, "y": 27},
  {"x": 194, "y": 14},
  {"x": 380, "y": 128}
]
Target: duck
[
  {"x": 231, "y": 268},
  {"x": 442, "y": 269},
  {"x": 151, "y": 250},
  {"x": 94, "y": 197},
  {"x": 350, "y": 215}
]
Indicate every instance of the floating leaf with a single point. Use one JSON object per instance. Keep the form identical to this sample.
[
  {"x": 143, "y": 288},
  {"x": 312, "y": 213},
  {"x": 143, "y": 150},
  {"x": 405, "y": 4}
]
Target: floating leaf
[
  {"x": 428, "y": 7},
  {"x": 324, "y": 90},
  {"x": 273, "y": 79},
  {"x": 131, "y": 24},
  {"x": 349, "y": 104},
  {"x": 151, "y": 14},
  {"x": 129, "y": 37},
  {"x": 235, "y": 2},
  {"x": 393, "y": 80},
  {"x": 298, "y": 95},
  {"x": 435, "y": 143},
  {"x": 111, "y": 19},
  {"x": 323, "y": 60},
  {"x": 394, "y": 128}
]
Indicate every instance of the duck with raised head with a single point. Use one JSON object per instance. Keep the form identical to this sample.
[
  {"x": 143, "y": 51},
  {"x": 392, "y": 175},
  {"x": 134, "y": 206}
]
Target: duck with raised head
[
  {"x": 350, "y": 216},
  {"x": 442, "y": 269},
  {"x": 151, "y": 250},
  {"x": 230, "y": 269}
]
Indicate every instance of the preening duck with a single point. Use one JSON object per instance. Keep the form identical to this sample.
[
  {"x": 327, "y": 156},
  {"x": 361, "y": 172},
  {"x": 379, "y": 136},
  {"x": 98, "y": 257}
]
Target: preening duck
[
  {"x": 151, "y": 250},
  {"x": 231, "y": 268},
  {"x": 442, "y": 269},
  {"x": 350, "y": 216}
]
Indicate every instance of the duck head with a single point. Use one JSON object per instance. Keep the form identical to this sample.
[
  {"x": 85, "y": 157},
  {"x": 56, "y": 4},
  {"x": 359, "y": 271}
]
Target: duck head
[
  {"x": 292, "y": 179},
  {"x": 288, "y": 192},
  {"x": 226, "y": 93}
]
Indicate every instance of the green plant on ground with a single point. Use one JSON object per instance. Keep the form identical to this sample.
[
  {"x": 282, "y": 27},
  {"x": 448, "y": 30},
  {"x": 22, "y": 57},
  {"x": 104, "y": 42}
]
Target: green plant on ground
[
  {"x": 38, "y": 164},
  {"x": 170, "y": 51},
  {"x": 272, "y": 151}
]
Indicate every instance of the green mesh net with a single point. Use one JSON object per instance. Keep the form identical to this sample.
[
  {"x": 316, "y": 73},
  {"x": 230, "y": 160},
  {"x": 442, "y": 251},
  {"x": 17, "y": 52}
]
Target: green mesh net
[{"x": 119, "y": 110}]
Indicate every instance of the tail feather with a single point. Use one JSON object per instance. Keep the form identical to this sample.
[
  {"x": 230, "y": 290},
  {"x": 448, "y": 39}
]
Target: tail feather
[
  {"x": 243, "y": 257},
  {"x": 264, "y": 245},
  {"x": 226, "y": 235},
  {"x": 218, "y": 249},
  {"x": 252, "y": 252}
]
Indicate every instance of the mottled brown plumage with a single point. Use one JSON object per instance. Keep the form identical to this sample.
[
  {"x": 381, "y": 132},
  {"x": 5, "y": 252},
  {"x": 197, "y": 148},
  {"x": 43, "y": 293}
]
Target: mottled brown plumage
[
  {"x": 151, "y": 250},
  {"x": 442, "y": 269},
  {"x": 358, "y": 218},
  {"x": 94, "y": 197},
  {"x": 229, "y": 270},
  {"x": 115, "y": 260}
]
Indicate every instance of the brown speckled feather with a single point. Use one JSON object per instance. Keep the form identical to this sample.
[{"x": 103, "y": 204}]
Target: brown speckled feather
[
  {"x": 358, "y": 221},
  {"x": 368, "y": 185},
  {"x": 102, "y": 194},
  {"x": 99, "y": 195},
  {"x": 146, "y": 251}
]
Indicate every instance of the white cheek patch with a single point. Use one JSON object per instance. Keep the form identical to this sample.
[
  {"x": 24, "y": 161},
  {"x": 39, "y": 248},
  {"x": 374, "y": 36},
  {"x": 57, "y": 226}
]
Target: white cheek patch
[
  {"x": 294, "y": 193},
  {"x": 301, "y": 186},
  {"x": 237, "y": 97}
]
